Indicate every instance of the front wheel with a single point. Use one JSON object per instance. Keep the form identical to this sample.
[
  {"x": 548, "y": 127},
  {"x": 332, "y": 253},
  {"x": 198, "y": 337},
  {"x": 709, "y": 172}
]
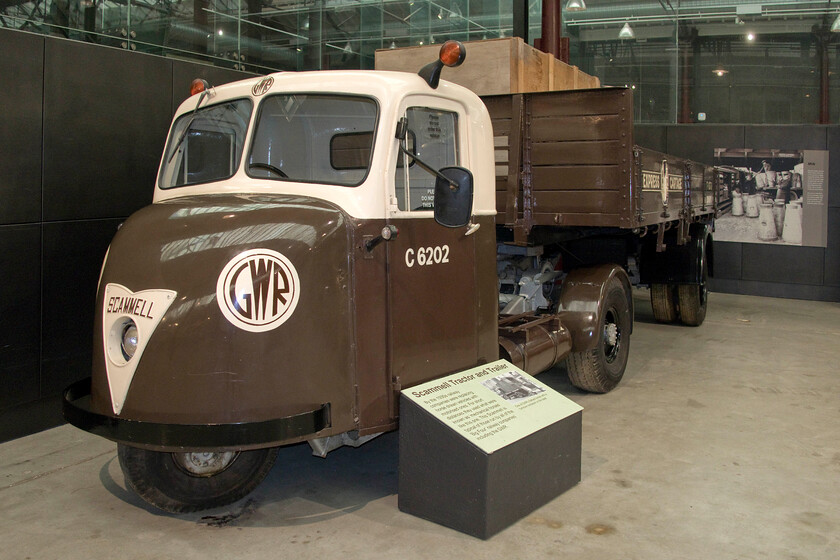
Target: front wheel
[
  {"x": 600, "y": 369},
  {"x": 186, "y": 482}
]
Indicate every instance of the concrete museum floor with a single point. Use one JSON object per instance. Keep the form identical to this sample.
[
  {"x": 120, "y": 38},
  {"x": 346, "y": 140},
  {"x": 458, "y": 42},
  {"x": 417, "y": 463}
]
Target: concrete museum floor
[{"x": 721, "y": 442}]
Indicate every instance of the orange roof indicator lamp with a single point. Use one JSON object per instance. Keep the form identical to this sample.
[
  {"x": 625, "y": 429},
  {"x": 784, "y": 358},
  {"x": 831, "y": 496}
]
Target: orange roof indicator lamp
[
  {"x": 452, "y": 54},
  {"x": 198, "y": 85}
]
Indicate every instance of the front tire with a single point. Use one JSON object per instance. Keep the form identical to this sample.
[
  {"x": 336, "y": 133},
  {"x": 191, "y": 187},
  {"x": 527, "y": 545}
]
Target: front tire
[
  {"x": 187, "y": 482},
  {"x": 600, "y": 369}
]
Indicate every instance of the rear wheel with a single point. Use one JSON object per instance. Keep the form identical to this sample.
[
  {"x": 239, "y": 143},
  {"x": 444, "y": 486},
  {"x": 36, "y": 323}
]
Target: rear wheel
[
  {"x": 693, "y": 299},
  {"x": 600, "y": 369},
  {"x": 185, "y": 482},
  {"x": 663, "y": 302}
]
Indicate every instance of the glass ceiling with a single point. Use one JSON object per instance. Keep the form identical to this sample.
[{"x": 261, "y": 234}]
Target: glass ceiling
[{"x": 742, "y": 61}]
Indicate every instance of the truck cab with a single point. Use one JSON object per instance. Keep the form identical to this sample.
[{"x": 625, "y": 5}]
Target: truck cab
[{"x": 295, "y": 271}]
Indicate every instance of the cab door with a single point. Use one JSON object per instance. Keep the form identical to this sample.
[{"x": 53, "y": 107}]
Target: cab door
[{"x": 432, "y": 296}]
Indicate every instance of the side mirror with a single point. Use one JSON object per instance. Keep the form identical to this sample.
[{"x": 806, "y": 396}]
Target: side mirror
[{"x": 453, "y": 197}]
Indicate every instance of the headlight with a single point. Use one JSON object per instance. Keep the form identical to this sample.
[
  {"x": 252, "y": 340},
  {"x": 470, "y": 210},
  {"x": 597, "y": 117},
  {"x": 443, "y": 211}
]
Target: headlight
[
  {"x": 128, "y": 344},
  {"x": 122, "y": 341}
]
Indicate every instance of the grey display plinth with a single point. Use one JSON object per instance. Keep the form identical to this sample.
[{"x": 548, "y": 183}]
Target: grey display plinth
[{"x": 447, "y": 479}]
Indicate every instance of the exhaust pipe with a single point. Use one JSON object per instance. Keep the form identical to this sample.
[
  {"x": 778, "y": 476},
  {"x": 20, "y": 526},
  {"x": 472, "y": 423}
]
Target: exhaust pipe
[{"x": 533, "y": 343}]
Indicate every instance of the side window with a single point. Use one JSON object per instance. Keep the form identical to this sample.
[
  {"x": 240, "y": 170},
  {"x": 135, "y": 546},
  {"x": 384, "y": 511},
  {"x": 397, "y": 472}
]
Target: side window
[{"x": 434, "y": 135}]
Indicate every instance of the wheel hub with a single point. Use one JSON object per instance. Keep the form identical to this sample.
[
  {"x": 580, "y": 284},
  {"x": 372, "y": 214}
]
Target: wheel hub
[
  {"x": 611, "y": 334},
  {"x": 612, "y": 337},
  {"x": 204, "y": 463}
]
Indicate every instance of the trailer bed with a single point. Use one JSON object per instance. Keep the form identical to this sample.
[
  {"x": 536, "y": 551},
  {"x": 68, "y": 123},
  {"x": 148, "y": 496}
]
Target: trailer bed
[{"x": 567, "y": 158}]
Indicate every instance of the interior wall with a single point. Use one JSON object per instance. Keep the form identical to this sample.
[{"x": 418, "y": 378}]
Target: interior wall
[
  {"x": 755, "y": 268},
  {"x": 82, "y": 130}
]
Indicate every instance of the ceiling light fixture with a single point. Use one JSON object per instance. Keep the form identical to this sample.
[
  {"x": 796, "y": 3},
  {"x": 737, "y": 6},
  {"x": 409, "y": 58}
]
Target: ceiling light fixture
[
  {"x": 626, "y": 32},
  {"x": 720, "y": 71},
  {"x": 575, "y": 6}
]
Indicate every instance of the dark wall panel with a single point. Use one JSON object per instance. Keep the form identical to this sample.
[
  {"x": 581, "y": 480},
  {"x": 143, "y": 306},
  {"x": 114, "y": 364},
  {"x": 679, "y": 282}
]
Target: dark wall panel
[
  {"x": 773, "y": 289},
  {"x": 832, "y": 250},
  {"x": 805, "y": 137},
  {"x": 20, "y": 323},
  {"x": 782, "y": 264},
  {"x": 698, "y": 142},
  {"x": 73, "y": 253},
  {"x": 652, "y": 136},
  {"x": 29, "y": 418},
  {"x": 20, "y": 126},
  {"x": 834, "y": 167},
  {"x": 105, "y": 117},
  {"x": 727, "y": 260}
]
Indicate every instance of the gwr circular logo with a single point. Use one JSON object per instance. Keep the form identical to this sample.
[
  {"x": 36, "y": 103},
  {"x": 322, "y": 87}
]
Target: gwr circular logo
[
  {"x": 262, "y": 86},
  {"x": 258, "y": 290}
]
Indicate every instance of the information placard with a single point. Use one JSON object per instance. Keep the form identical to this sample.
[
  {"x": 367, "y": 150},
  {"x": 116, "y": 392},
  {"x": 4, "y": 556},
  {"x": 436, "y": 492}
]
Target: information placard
[{"x": 492, "y": 405}]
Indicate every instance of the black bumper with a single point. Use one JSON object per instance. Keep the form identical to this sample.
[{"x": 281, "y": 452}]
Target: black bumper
[{"x": 76, "y": 405}]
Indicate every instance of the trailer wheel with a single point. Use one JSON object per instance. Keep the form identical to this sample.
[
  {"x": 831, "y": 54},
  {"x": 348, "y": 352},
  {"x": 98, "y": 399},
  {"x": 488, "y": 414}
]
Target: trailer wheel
[
  {"x": 185, "y": 482},
  {"x": 692, "y": 299},
  {"x": 600, "y": 369},
  {"x": 663, "y": 302}
]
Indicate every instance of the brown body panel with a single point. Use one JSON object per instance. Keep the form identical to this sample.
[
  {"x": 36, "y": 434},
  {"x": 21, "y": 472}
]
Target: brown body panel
[
  {"x": 366, "y": 323},
  {"x": 443, "y": 315},
  {"x": 370, "y": 317},
  {"x": 198, "y": 368},
  {"x": 567, "y": 158}
]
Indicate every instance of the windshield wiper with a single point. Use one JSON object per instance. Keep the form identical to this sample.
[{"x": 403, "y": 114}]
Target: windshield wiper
[{"x": 183, "y": 135}]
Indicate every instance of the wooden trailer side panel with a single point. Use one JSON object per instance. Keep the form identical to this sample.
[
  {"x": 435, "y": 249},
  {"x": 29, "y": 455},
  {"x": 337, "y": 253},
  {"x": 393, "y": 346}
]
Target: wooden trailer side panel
[
  {"x": 567, "y": 158},
  {"x": 581, "y": 148},
  {"x": 673, "y": 188},
  {"x": 564, "y": 158}
]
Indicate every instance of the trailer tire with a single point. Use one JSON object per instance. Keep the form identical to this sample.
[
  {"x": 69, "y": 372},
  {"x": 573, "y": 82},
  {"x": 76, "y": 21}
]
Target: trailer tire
[
  {"x": 187, "y": 482},
  {"x": 663, "y": 302},
  {"x": 600, "y": 369},
  {"x": 693, "y": 299}
]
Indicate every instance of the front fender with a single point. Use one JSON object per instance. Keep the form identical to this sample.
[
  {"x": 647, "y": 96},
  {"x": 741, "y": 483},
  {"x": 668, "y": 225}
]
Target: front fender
[
  {"x": 582, "y": 299},
  {"x": 205, "y": 280}
]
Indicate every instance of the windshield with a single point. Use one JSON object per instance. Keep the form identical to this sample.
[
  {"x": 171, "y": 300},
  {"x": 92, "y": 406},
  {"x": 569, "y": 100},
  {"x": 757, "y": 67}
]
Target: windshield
[
  {"x": 314, "y": 138},
  {"x": 206, "y": 145}
]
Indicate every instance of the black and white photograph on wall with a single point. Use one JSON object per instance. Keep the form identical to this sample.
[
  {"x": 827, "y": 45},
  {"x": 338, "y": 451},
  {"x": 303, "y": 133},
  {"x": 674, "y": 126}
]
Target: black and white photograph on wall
[{"x": 772, "y": 196}]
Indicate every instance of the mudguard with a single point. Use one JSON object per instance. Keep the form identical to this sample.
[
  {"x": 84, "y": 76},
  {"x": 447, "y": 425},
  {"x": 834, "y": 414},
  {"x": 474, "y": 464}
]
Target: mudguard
[{"x": 582, "y": 299}]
